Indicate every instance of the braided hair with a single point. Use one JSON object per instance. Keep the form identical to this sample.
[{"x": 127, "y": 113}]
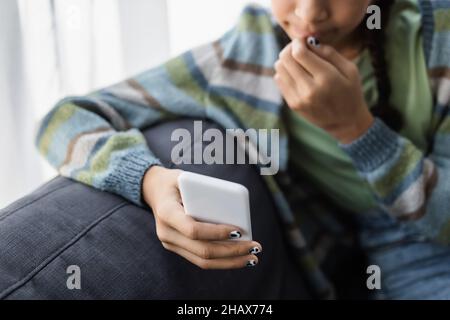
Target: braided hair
[{"x": 374, "y": 40}]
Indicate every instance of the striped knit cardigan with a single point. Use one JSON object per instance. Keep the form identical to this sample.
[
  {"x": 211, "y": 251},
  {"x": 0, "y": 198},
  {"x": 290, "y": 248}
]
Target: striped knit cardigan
[{"x": 96, "y": 139}]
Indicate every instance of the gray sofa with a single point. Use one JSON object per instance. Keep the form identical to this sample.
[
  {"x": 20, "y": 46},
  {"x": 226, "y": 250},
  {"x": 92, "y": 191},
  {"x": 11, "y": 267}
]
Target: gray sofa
[{"x": 114, "y": 243}]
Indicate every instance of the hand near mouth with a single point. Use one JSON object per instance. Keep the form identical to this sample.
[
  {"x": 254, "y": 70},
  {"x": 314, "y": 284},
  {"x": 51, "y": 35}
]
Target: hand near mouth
[{"x": 325, "y": 88}]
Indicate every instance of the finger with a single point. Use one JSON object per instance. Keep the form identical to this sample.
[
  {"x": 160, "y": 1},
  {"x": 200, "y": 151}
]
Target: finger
[
  {"x": 310, "y": 61},
  {"x": 280, "y": 69},
  {"x": 289, "y": 84},
  {"x": 210, "y": 249},
  {"x": 330, "y": 54},
  {"x": 174, "y": 216},
  {"x": 292, "y": 65},
  {"x": 221, "y": 263},
  {"x": 287, "y": 88},
  {"x": 302, "y": 78}
]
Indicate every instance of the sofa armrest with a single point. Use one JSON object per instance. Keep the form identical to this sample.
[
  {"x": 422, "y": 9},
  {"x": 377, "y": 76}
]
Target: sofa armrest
[{"x": 114, "y": 243}]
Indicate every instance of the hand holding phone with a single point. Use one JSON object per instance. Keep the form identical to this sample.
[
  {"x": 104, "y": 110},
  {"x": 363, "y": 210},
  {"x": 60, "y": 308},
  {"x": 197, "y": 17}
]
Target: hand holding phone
[{"x": 204, "y": 244}]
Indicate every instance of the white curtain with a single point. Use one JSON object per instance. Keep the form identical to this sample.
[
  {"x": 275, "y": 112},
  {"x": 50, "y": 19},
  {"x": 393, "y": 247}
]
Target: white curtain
[
  {"x": 81, "y": 45},
  {"x": 53, "y": 48},
  {"x": 18, "y": 165}
]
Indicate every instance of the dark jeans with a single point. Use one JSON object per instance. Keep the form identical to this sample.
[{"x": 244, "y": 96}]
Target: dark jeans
[{"x": 115, "y": 245}]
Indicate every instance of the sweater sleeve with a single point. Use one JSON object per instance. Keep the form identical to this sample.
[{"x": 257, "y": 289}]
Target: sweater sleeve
[
  {"x": 408, "y": 185},
  {"x": 97, "y": 140}
]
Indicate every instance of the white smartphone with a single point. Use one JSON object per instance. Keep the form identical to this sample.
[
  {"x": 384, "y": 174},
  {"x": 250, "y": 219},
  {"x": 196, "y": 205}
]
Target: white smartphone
[{"x": 213, "y": 200}]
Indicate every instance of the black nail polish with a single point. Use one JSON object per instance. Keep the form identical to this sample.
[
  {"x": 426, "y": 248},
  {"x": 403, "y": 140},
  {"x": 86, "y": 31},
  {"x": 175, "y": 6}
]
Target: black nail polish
[
  {"x": 254, "y": 250},
  {"x": 313, "y": 41},
  {"x": 251, "y": 263},
  {"x": 235, "y": 235}
]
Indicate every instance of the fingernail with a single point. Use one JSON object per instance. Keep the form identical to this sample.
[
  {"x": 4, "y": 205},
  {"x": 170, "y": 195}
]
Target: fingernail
[
  {"x": 313, "y": 41},
  {"x": 255, "y": 250},
  {"x": 251, "y": 263},
  {"x": 235, "y": 235}
]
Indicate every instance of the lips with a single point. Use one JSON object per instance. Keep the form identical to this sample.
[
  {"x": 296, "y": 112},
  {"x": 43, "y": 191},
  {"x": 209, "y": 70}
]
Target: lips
[{"x": 301, "y": 33}]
